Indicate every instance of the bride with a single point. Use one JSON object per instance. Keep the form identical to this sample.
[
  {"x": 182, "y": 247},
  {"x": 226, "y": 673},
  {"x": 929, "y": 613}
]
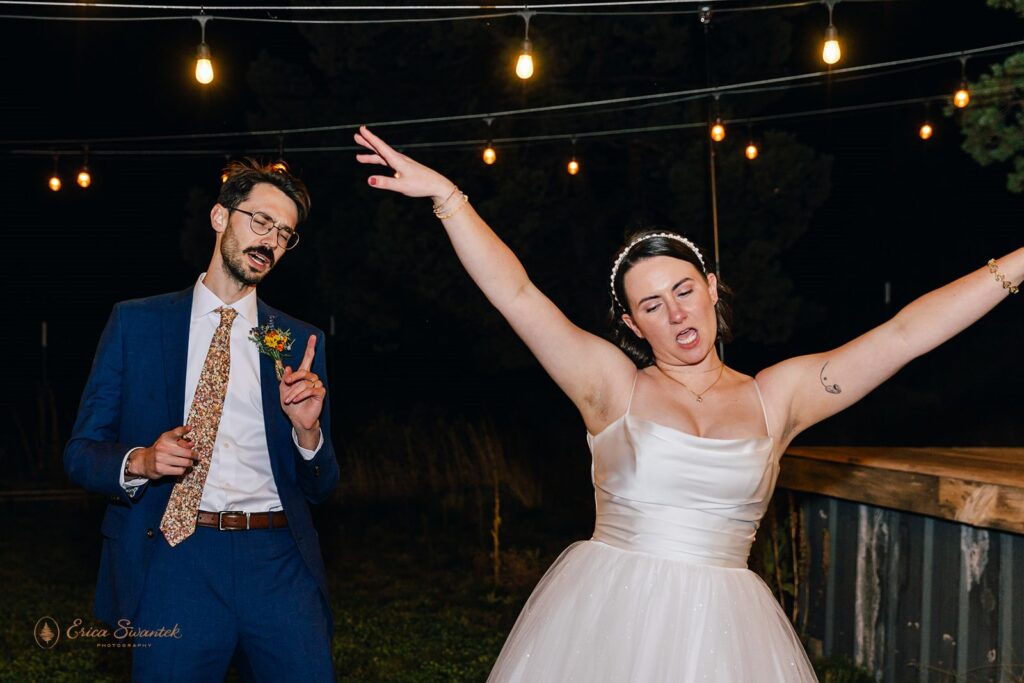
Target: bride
[{"x": 685, "y": 451}]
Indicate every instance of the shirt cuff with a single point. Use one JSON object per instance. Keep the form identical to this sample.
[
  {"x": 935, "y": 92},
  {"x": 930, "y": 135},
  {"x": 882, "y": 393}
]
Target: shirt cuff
[
  {"x": 305, "y": 452},
  {"x": 132, "y": 485}
]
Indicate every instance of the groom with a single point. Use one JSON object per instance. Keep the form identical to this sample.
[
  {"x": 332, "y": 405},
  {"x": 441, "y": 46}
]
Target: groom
[{"x": 211, "y": 451}]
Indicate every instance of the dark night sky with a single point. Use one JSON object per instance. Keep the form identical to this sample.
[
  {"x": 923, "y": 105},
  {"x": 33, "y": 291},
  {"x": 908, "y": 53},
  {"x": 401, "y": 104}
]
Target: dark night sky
[{"x": 900, "y": 210}]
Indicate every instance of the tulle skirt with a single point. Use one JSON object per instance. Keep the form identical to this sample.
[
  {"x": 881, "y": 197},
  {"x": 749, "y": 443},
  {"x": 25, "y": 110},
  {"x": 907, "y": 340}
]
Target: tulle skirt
[{"x": 601, "y": 613}]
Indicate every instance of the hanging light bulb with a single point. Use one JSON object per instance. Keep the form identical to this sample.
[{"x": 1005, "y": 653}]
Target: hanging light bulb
[
  {"x": 962, "y": 97},
  {"x": 54, "y": 183},
  {"x": 204, "y": 65},
  {"x": 718, "y": 131},
  {"x": 84, "y": 178},
  {"x": 926, "y": 131},
  {"x": 223, "y": 177},
  {"x": 830, "y": 51},
  {"x": 490, "y": 156},
  {"x": 279, "y": 167},
  {"x": 573, "y": 167},
  {"x": 751, "y": 151},
  {"x": 524, "y": 64}
]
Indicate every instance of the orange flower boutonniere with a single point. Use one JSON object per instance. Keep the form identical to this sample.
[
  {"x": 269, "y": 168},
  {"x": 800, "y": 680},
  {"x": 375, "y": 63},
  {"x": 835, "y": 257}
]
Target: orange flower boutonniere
[{"x": 274, "y": 342}]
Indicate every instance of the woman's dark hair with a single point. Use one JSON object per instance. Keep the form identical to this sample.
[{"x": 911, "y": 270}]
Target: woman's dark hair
[
  {"x": 650, "y": 243},
  {"x": 245, "y": 174}
]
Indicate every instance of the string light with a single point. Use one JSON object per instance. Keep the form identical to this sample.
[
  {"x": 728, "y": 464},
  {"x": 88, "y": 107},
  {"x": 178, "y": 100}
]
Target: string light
[
  {"x": 524, "y": 64},
  {"x": 223, "y": 177},
  {"x": 54, "y": 182},
  {"x": 718, "y": 131},
  {"x": 926, "y": 131},
  {"x": 751, "y": 151},
  {"x": 279, "y": 167},
  {"x": 573, "y": 166},
  {"x": 962, "y": 96},
  {"x": 204, "y": 65},
  {"x": 490, "y": 156},
  {"x": 84, "y": 178},
  {"x": 830, "y": 51}
]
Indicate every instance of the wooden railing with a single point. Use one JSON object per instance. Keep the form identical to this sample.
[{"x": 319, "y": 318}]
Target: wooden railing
[
  {"x": 982, "y": 487},
  {"x": 913, "y": 559}
]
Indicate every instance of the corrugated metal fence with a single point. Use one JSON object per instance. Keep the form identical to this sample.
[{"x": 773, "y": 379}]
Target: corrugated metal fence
[{"x": 913, "y": 598}]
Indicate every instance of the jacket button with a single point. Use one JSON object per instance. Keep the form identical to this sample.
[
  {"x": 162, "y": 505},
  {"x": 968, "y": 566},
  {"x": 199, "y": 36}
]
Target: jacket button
[
  {"x": 149, "y": 533},
  {"x": 316, "y": 470}
]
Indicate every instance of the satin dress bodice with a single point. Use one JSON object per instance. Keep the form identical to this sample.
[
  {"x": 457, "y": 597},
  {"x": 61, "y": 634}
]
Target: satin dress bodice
[{"x": 662, "y": 491}]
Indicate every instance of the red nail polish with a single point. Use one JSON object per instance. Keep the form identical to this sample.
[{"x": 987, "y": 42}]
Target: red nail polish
[{"x": 373, "y": 181}]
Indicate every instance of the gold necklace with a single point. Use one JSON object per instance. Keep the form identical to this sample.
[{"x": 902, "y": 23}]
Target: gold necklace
[{"x": 700, "y": 396}]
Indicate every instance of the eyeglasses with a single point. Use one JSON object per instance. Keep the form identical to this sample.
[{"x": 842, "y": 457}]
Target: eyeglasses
[{"x": 260, "y": 223}]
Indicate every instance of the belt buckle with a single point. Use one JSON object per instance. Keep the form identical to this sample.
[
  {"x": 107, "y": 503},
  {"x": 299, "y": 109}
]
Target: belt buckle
[{"x": 220, "y": 520}]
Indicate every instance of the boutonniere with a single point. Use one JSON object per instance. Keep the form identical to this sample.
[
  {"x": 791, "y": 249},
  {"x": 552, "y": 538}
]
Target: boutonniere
[{"x": 274, "y": 342}]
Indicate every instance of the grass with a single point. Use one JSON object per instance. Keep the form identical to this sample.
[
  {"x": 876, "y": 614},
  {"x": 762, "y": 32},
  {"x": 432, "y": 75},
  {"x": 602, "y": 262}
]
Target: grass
[
  {"x": 420, "y": 611},
  {"x": 411, "y": 604}
]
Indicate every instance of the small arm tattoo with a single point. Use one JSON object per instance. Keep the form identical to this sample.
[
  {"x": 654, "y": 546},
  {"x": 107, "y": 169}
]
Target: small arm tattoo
[{"x": 830, "y": 388}]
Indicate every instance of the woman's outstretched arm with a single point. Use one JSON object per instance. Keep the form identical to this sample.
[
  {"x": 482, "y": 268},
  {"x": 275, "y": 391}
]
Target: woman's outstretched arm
[
  {"x": 811, "y": 388},
  {"x": 595, "y": 374}
]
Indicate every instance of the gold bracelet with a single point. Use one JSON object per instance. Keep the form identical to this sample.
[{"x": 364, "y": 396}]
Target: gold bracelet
[
  {"x": 437, "y": 207},
  {"x": 993, "y": 268},
  {"x": 465, "y": 200}
]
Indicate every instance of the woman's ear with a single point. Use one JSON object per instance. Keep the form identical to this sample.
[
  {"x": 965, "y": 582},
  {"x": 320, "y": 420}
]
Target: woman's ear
[
  {"x": 713, "y": 288},
  {"x": 626, "y": 318}
]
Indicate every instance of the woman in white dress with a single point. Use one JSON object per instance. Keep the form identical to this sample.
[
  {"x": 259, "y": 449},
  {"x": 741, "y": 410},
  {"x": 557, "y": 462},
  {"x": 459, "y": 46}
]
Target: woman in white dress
[{"x": 685, "y": 451}]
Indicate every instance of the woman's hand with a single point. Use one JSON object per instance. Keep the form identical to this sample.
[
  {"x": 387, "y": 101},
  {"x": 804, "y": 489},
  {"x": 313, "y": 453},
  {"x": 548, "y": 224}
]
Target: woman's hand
[{"x": 411, "y": 178}]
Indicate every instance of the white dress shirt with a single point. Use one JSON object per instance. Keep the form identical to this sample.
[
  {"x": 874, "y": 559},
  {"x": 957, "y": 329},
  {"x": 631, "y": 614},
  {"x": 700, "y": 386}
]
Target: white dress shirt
[{"x": 240, "y": 477}]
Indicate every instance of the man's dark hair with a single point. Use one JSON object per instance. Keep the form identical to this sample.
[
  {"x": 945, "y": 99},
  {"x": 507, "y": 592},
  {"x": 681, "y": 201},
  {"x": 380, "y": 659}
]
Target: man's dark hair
[{"x": 243, "y": 175}]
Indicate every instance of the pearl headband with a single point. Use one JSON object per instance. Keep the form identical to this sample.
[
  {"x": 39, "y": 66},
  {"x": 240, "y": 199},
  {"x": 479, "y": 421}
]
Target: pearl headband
[{"x": 668, "y": 235}]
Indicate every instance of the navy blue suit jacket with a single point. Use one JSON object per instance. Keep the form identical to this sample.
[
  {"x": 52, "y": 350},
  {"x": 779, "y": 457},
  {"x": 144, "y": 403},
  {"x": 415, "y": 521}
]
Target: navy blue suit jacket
[{"x": 136, "y": 392}]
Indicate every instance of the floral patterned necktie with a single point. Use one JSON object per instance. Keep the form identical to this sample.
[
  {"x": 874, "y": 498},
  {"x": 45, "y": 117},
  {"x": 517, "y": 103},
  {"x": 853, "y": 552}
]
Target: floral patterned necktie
[{"x": 179, "y": 521}]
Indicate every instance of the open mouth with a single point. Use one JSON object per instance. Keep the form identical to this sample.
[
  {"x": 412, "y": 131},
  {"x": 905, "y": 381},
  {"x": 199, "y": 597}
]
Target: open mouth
[
  {"x": 259, "y": 259},
  {"x": 688, "y": 338}
]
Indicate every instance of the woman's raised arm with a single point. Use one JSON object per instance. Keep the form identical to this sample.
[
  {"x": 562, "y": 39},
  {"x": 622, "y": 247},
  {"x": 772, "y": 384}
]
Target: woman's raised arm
[
  {"x": 811, "y": 388},
  {"x": 595, "y": 374}
]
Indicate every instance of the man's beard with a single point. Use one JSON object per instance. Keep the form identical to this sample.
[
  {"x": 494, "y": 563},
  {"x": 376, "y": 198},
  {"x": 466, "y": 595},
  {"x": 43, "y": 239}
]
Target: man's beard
[{"x": 234, "y": 260}]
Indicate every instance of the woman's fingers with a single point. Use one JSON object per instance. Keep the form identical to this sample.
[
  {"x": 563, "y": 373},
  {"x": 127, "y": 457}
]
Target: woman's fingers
[
  {"x": 371, "y": 159},
  {"x": 383, "y": 182}
]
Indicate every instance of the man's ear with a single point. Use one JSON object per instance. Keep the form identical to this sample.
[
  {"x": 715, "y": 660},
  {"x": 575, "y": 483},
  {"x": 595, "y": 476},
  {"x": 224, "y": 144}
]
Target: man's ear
[
  {"x": 632, "y": 325},
  {"x": 219, "y": 218},
  {"x": 713, "y": 287}
]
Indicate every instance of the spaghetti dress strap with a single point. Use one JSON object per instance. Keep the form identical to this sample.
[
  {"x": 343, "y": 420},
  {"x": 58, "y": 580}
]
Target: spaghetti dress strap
[
  {"x": 632, "y": 391},
  {"x": 764, "y": 410}
]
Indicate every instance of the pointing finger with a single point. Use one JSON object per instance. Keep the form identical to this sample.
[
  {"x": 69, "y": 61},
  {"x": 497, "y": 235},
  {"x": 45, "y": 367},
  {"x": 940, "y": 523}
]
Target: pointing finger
[{"x": 307, "y": 360}]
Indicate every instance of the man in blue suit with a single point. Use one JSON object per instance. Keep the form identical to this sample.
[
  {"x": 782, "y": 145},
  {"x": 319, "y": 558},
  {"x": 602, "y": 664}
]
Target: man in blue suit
[{"x": 242, "y": 577}]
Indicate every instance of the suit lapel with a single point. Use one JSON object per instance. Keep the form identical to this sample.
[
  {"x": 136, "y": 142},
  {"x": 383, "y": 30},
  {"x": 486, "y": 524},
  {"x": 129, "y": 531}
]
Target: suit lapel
[
  {"x": 176, "y": 322},
  {"x": 272, "y": 422}
]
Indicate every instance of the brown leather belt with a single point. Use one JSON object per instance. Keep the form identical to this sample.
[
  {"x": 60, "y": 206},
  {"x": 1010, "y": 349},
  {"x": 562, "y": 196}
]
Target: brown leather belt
[{"x": 230, "y": 520}]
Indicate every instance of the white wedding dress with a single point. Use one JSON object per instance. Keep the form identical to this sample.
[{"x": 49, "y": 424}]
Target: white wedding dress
[{"x": 661, "y": 592}]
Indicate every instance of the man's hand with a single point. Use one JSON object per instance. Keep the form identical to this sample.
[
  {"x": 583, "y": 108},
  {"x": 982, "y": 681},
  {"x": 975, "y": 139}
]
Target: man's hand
[
  {"x": 170, "y": 455},
  {"x": 302, "y": 398}
]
